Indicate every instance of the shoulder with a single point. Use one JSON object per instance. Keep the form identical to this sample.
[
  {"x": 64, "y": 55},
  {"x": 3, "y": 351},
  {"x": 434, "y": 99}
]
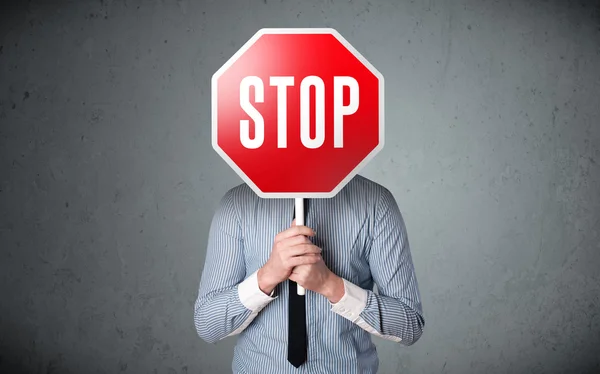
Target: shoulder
[
  {"x": 231, "y": 209},
  {"x": 368, "y": 190},
  {"x": 240, "y": 193},
  {"x": 363, "y": 198},
  {"x": 239, "y": 196},
  {"x": 235, "y": 200}
]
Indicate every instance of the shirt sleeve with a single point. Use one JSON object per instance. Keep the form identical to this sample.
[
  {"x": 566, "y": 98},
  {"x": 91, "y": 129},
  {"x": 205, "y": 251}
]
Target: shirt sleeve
[
  {"x": 228, "y": 301},
  {"x": 395, "y": 313}
]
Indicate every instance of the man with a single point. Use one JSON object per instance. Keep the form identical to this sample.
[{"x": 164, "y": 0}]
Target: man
[{"x": 256, "y": 257}]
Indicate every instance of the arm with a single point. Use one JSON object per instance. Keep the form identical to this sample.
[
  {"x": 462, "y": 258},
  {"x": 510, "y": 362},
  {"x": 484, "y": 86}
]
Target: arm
[
  {"x": 396, "y": 312},
  {"x": 227, "y": 301}
]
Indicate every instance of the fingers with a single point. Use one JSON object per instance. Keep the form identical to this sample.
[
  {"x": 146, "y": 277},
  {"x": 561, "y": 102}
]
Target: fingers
[
  {"x": 294, "y": 231},
  {"x": 303, "y": 249},
  {"x": 297, "y": 277},
  {"x": 294, "y": 240},
  {"x": 304, "y": 260}
]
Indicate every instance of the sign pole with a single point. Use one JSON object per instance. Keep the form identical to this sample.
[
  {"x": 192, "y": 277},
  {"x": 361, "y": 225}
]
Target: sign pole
[{"x": 300, "y": 222}]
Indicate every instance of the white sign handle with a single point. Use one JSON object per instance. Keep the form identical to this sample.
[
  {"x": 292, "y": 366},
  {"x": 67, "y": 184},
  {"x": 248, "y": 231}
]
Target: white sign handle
[{"x": 300, "y": 222}]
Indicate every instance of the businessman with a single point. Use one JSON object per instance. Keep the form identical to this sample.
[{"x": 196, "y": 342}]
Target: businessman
[{"x": 257, "y": 256}]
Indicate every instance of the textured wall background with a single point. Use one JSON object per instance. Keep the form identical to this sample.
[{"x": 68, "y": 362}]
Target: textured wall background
[{"x": 108, "y": 181}]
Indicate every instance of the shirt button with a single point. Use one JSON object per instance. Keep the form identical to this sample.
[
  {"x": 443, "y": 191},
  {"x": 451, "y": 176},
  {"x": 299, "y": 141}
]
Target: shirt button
[
  {"x": 350, "y": 315},
  {"x": 342, "y": 310}
]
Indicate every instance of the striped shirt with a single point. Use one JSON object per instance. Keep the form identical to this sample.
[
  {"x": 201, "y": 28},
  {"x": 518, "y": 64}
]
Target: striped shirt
[{"x": 363, "y": 239}]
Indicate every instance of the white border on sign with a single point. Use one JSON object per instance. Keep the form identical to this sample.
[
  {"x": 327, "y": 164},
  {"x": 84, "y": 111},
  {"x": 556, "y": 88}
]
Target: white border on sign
[{"x": 247, "y": 46}]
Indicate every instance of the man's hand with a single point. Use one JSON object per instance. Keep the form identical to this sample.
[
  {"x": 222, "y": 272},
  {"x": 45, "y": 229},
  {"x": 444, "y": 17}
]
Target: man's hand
[
  {"x": 318, "y": 278},
  {"x": 291, "y": 248}
]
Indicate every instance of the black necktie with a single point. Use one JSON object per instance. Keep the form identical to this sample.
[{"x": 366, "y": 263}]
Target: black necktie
[{"x": 296, "y": 322}]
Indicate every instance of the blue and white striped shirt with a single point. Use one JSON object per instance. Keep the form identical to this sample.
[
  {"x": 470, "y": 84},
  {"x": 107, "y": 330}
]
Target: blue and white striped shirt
[{"x": 363, "y": 237}]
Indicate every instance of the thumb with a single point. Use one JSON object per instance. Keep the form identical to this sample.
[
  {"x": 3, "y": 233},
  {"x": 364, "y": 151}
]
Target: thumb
[{"x": 293, "y": 223}]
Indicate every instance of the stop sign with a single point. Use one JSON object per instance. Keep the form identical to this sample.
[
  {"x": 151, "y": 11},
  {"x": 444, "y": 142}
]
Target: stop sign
[{"x": 297, "y": 112}]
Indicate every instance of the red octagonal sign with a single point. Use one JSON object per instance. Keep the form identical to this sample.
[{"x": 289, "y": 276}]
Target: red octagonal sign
[{"x": 297, "y": 112}]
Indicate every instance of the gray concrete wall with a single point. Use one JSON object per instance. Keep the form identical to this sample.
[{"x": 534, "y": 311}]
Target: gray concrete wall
[{"x": 108, "y": 181}]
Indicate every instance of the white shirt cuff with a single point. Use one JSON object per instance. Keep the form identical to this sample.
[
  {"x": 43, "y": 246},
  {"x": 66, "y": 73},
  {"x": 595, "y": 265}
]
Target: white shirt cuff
[
  {"x": 354, "y": 301},
  {"x": 251, "y": 296}
]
